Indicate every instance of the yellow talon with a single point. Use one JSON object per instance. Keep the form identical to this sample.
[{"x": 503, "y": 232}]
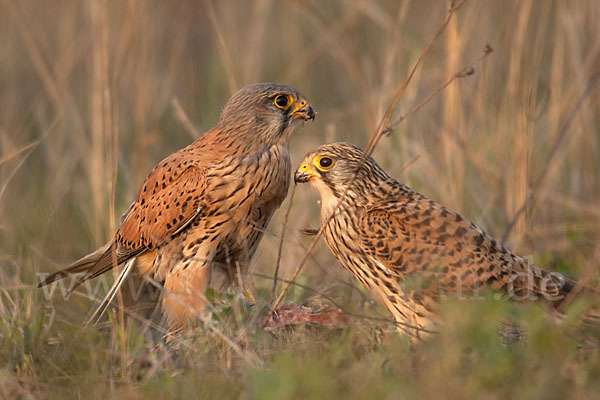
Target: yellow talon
[{"x": 250, "y": 297}]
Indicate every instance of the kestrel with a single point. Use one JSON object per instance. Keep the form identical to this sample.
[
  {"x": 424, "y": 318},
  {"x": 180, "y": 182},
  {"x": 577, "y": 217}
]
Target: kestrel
[
  {"x": 208, "y": 204},
  {"x": 408, "y": 250}
]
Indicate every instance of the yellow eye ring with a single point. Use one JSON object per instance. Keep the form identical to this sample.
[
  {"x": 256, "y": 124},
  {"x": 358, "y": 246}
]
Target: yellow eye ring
[
  {"x": 323, "y": 163},
  {"x": 283, "y": 101}
]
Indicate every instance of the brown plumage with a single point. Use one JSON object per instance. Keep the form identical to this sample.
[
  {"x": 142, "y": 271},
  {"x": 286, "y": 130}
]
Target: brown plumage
[
  {"x": 208, "y": 204},
  {"x": 409, "y": 251}
]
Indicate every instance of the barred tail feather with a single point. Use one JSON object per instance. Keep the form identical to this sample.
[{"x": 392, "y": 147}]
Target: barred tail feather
[
  {"x": 554, "y": 287},
  {"x": 87, "y": 265}
]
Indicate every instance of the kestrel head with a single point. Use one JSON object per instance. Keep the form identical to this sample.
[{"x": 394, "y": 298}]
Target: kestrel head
[
  {"x": 265, "y": 112},
  {"x": 339, "y": 169}
]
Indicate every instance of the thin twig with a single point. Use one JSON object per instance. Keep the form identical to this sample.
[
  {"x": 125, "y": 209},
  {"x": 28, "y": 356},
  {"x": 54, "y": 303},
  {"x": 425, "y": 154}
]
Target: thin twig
[
  {"x": 227, "y": 63},
  {"x": 280, "y": 250},
  {"x": 454, "y": 7},
  {"x": 111, "y": 295},
  {"x": 28, "y": 149},
  {"x": 18, "y": 151},
  {"x": 559, "y": 139},
  {"x": 19, "y": 165},
  {"x": 299, "y": 267},
  {"x": 44, "y": 72},
  {"x": 464, "y": 72},
  {"x": 183, "y": 118},
  {"x": 340, "y": 51}
]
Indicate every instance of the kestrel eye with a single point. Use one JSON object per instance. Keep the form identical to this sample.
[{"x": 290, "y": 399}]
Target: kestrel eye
[
  {"x": 323, "y": 163},
  {"x": 282, "y": 101}
]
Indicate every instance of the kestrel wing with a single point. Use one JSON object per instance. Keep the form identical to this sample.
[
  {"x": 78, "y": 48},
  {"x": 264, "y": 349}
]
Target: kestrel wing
[
  {"x": 168, "y": 201},
  {"x": 171, "y": 197},
  {"x": 423, "y": 236}
]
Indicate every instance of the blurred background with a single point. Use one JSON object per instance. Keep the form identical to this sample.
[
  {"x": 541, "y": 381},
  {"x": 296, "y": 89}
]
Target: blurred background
[{"x": 94, "y": 93}]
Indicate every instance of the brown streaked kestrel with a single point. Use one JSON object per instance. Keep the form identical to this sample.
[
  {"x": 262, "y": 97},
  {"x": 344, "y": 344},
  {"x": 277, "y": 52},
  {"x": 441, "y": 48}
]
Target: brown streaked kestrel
[
  {"x": 207, "y": 204},
  {"x": 410, "y": 251}
]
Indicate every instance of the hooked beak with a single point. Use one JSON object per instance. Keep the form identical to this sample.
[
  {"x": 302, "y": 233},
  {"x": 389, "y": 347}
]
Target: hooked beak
[
  {"x": 304, "y": 173},
  {"x": 303, "y": 110}
]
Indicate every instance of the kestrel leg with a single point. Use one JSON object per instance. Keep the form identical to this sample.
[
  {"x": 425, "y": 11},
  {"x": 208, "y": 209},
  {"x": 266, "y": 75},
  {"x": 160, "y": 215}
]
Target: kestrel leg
[
  {"x": 242, "y": 274},
  {"x": 184, "y": 294}
]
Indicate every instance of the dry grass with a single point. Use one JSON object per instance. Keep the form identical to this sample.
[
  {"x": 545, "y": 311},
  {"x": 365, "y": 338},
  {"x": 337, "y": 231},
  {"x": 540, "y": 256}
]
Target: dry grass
[{"x": 94, "y": 93}]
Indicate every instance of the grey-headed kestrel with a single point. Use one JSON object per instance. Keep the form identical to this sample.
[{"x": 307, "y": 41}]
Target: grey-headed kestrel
[
  {"x": 408, "y": 250},
  {"x": 208, "y": 204}
]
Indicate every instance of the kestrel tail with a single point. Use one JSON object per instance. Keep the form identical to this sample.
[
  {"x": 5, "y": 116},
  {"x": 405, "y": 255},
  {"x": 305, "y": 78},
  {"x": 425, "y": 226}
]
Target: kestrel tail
[
  {"x": 208, "y": 204},
  {"x": 408, "y": 250}
]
